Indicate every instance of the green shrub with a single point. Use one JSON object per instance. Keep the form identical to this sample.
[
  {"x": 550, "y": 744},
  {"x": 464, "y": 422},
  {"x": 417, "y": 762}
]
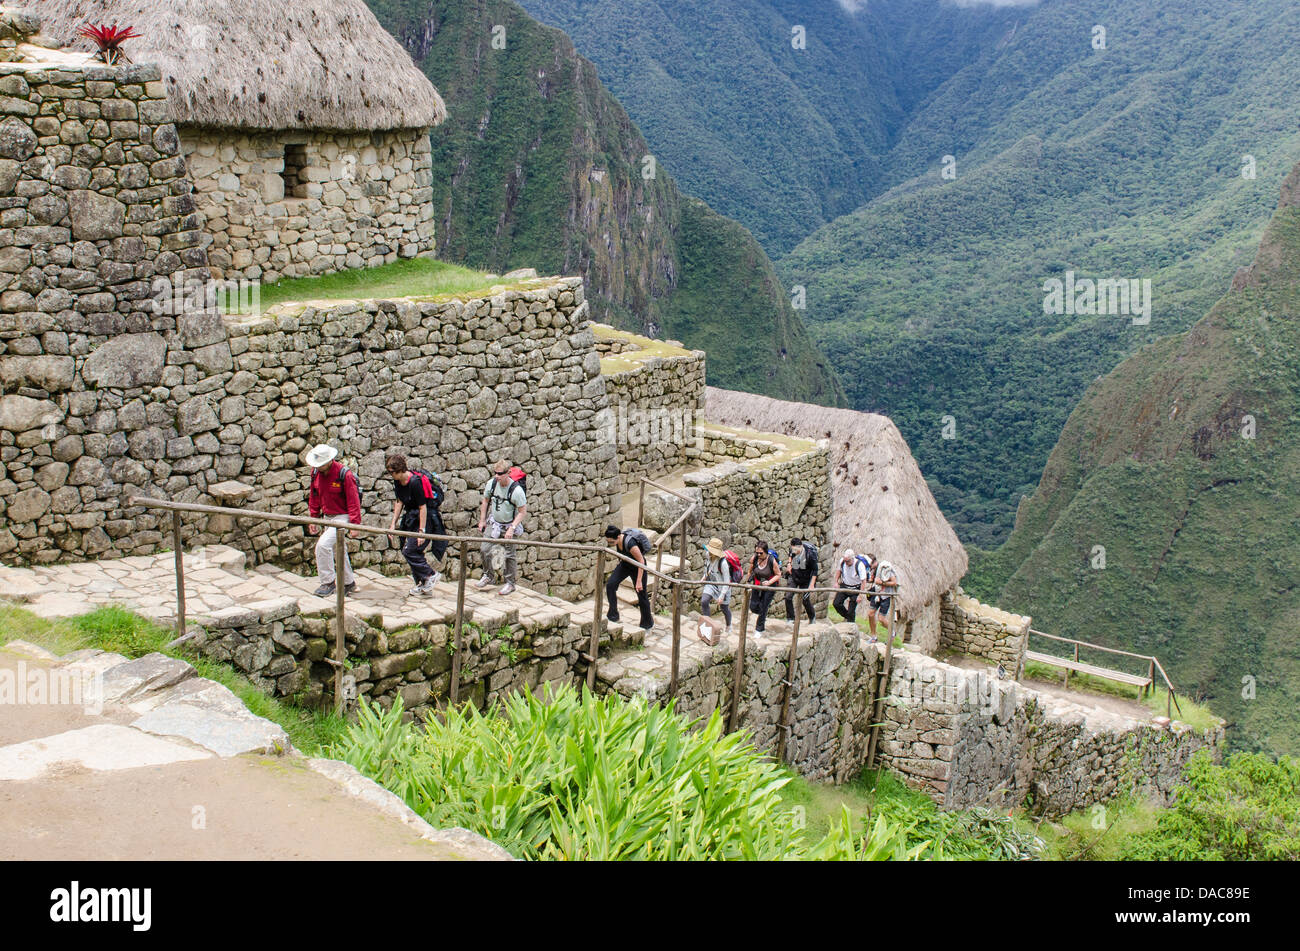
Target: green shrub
[
  {"x": 1246, "y": 809},
  {"x": 575, "y": 777}
]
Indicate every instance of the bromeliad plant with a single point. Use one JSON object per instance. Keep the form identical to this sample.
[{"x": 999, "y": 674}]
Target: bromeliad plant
[{"x": 109, "y": 39}]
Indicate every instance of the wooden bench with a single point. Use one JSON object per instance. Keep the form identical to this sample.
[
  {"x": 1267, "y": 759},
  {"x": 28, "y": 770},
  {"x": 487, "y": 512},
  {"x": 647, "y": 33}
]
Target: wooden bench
[{"x": 1145, "y": 683}]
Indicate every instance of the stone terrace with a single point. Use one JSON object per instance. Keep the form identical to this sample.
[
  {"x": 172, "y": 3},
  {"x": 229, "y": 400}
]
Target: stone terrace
[{"x": 270, "y": 626}]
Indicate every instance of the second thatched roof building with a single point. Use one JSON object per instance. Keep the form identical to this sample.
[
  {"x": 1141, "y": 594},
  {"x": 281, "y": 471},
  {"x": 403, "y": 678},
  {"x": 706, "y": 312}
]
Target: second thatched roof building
[{"x": 304, "y": 125}]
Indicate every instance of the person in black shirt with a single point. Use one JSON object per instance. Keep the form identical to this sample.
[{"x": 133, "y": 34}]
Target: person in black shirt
[
  {"x": 635, "y": 545},
  {"x": 417, "y": 504},
  {"x": 802, "y": 573}
]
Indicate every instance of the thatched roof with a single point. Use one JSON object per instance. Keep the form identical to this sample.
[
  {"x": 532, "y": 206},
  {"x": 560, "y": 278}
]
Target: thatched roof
[
  {"x": 295, "y": 64},
  {"x": 880, "y": 501}
]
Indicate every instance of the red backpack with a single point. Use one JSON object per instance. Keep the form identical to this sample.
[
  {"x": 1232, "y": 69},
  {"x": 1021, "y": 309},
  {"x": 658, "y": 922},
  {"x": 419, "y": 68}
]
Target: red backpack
[{"x": 733, "y": 562}]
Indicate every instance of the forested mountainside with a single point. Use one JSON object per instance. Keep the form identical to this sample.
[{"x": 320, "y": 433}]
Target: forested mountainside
[
  {"x": 1107, "y": 137},
  {"x": 782, "y": 131},
  {"x": 1124, "y": 163},
  {"x": 1167, "y": 520},
  {"x": 539, "y": 166}
]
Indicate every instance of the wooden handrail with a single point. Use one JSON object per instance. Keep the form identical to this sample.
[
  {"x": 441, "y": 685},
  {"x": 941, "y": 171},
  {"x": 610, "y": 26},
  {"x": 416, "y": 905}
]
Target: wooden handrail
[{"x": 1172, "y": 702}]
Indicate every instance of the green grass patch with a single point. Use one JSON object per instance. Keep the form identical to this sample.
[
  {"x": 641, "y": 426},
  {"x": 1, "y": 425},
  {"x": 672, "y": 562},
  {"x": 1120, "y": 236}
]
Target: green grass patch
[
  {"x": 414, "y": 277},
  {"x": 118, "y": 631},
  {"x": 1101, "y": 833}
]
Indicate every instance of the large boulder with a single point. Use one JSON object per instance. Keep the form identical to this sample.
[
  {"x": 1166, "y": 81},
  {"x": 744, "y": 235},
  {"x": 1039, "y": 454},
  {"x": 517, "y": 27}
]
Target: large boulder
[
  {"x": 662, "y": 509},
  {"x": 95, "y": 216},
  {"x": 47, "y": 373}
]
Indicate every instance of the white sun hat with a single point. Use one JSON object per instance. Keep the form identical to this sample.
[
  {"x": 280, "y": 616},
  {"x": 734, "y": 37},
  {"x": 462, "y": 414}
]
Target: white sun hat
[{"x": 321, "y": 455}]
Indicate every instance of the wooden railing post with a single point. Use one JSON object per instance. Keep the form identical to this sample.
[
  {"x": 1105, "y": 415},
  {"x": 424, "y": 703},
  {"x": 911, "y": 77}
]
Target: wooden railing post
[
  {"x": 340, "y": 620},
  {"x": 882, "y": 684},
  {"x": 787, "y": 688},
  {"x": 597, "y": 619},
  {"x": 640, "y": 506},
  {"x": 458, "y": 640},
  {"x": 180, "y": 573},
  {"x": 739, "y": 671},
  {"x": 677, "y": 637}
]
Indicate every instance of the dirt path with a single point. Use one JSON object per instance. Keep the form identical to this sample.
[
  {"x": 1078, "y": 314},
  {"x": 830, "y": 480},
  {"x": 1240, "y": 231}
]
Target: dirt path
[{"x": 80, "y": 784}]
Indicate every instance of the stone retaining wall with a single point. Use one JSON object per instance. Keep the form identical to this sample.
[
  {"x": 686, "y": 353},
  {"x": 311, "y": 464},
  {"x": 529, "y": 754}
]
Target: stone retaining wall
[
  {"x": 981, "y": 630},
  {"x": 104, "y": 392},
  {"x": 829, "y": 708},
  {"x": 282, "y": 652},
  {"x": 968, "y": 738},
  {"x": 360, "y": 199},
  {"x": 764, "y": 490},
  {"x": 453, "y": 385},
  {"x": 656, "y": 392}
]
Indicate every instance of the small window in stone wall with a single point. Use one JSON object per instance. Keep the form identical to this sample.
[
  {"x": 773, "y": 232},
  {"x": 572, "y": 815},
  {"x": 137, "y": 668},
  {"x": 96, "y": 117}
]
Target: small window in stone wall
[{"x": 295, "y": 165}]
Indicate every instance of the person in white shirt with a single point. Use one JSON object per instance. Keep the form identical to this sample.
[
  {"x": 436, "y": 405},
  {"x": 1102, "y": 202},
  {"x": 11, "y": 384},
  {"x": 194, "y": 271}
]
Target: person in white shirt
[
  {"x": 884, "y": 581},
  {"x": 851, "y": 573}
]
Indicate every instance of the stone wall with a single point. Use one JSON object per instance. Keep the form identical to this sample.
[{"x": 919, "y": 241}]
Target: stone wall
[
  {"x": 101, "y": 388},
  {"x": 656, "y": 392},
  {"x": 829, "y": 705},
  {"x": 358, "y": 199},
  {"x": 981, "y": 630},
  {"x": 282, "y": 651},
  {"x": 453, "y": 385},
  {"x": 763, "y": 490},
  {"x": 968, "y": 738}
]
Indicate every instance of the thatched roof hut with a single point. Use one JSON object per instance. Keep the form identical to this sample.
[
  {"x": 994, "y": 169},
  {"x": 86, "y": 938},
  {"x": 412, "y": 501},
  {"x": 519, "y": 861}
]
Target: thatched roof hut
[
  {"x": 249, "y": 64},
  {"x": 881, "y": 501}
]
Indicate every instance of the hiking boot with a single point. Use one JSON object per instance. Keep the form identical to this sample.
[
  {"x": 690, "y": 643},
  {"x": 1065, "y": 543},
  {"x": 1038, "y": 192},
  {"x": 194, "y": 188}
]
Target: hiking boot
[
  {"x": 484, "y": 582},
  {"x": 433, "y": 579},
  {"x": 325, "y": 590},
  {"x": 507, "y": 588},
  {"x": 350, "y": 588}
]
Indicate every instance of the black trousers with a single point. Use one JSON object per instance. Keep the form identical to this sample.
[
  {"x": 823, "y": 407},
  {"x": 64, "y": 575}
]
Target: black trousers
[
  {"x": 759, "y": 602},
  {"x": 799, "y": 582},
  {"x": 413, "y": 549},
  {"x": 616, "y": 577},
  {"x": 846, "y": 605}
]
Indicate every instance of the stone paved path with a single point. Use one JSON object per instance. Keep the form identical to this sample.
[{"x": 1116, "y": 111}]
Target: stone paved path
[
  {"x": 154, "y": 762},
  {"x": 217, "y": 583}
]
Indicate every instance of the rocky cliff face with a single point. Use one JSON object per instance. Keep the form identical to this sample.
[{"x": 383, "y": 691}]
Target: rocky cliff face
[{"x": 539, "y": 166}]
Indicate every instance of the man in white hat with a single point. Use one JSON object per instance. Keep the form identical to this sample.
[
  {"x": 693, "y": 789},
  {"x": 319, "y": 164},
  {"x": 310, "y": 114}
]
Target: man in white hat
[{"x": 334, "y": 495}]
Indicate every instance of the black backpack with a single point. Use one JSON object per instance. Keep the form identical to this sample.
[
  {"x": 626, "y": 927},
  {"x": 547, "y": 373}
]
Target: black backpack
[
  {"x": 435, "y": 485},
  {"x": 634, "y": 536}
]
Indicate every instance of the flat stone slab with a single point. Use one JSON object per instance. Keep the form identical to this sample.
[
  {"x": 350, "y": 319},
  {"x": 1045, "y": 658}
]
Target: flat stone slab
[
  {"x": 27, "y": 649},
  {"x": 224, "y": 733},
  {"x": 148, "y": 674},
  {"x": 103, "y": 747}
]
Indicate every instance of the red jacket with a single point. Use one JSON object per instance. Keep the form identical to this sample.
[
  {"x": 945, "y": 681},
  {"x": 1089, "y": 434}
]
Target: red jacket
[{"x": 328, "y": 493}]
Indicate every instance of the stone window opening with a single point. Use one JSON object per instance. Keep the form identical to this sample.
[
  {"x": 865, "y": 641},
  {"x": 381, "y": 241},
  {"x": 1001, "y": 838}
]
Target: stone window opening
[{"x": 295, "y": 167}]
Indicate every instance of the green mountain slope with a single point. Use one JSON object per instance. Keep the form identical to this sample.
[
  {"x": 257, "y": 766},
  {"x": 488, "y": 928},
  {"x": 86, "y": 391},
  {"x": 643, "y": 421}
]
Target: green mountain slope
[
  {"x": 1116, "y": 163},
  {"x": 781, "y": 139},
  {"x": 1183, "y": 464},
  {"x": 539, "y": 166}
]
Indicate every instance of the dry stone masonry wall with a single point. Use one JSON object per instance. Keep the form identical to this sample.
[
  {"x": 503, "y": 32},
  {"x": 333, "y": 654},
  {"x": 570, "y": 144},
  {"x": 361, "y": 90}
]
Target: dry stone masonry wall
[
  {"x": 656, "y": 393},
  {"x": 289, "y": 204},
  {"x": 99, "y": 386},
  {"x": 453, "y": 385},
  {"x": 981, "y": 630},
  {"x": 968, "y": 738}
]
